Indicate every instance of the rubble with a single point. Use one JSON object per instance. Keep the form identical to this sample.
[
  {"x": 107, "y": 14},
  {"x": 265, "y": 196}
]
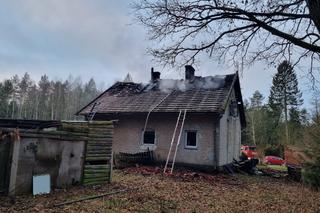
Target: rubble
[{"x": 184, "y": 175}]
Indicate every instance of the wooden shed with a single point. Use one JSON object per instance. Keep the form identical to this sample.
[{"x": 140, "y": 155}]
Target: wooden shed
[{"x": 70, "y": 152}]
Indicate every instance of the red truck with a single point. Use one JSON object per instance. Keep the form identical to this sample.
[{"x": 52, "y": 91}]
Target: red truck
[{"x": 249, "y": 151}]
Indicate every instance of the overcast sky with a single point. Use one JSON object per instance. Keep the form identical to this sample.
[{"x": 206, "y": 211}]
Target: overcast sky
[{"x": 94, "y": 38}]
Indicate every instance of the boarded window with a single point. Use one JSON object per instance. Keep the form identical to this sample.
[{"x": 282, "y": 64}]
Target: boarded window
[
  {"x": 149, "y": 137},
  {"x": 191, "y": 139}
]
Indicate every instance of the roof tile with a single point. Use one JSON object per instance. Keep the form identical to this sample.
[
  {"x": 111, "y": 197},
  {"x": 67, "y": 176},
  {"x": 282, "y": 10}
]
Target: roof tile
[{"x": 206, "y": 94}]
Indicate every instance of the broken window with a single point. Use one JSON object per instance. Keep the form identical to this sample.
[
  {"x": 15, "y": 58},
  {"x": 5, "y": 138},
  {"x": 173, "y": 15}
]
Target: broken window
[
  {"x": 191, "y": 139},
  {"x": 149, "y": 137},
  {"x": 233, "y": 109}
]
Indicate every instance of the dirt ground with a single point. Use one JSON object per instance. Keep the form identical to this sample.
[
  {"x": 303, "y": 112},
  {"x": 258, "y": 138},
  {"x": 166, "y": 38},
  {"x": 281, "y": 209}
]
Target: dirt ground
[{"x": 151, "y": 191}]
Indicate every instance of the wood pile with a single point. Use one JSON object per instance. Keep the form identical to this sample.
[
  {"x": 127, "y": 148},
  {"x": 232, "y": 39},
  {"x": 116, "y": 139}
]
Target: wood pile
[{"x": 97, "y": 168}]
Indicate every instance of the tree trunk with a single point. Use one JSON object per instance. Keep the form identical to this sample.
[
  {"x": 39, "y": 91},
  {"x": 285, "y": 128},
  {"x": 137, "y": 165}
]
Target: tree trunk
[
  {"x": 52, "y": 109},
  {"x": 12, "y": 113},
  {"x": 314, "y": 8},
  {"x": 286, "y": 117},
  {"x": 7, "y": 110},
  {"x": 37, "y": 109},
  {"x": 253, "y": 130}
]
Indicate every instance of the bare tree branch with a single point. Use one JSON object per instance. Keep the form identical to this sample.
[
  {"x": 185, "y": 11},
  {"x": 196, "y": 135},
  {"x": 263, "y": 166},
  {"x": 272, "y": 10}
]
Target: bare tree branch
[{"x": 238, "y": 31}]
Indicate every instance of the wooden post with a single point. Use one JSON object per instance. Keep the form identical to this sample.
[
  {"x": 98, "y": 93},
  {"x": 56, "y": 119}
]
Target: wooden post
[{"x": 14, "y": 166}]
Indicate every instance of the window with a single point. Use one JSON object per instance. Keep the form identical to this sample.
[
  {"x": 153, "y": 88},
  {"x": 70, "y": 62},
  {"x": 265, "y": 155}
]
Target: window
[
  {"x": 149, "y": 137},
  {"x": 233, "y": 109},
  {"x": 191, "y": 139},
  {"x": 252, "y": 148}
]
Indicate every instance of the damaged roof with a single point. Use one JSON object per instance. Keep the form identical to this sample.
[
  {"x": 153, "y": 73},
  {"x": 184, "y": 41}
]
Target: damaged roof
[{"x": 201, "y": 94}]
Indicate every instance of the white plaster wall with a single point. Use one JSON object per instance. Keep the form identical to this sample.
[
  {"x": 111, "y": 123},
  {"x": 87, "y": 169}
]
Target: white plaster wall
[
  {"x": 229, "y": 137},
  {"x": 223, "y": 141},
  {"x": 63, "y": 160},
  {"x": 128, "y": 133}
]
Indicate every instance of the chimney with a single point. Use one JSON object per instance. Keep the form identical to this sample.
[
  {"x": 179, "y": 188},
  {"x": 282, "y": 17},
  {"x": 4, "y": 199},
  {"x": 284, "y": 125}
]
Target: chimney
[
  {"x": 155, "y": 76},
  {"x": 189, "y": 72}
]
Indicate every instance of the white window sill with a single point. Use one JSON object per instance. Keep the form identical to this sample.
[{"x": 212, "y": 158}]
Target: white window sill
[
  {"x": 191, "y": 147},
  {"x": 148, "y": 146}
]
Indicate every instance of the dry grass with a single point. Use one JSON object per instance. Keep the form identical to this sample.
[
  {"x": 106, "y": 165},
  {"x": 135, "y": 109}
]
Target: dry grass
[{"x": 158, "y": 193}]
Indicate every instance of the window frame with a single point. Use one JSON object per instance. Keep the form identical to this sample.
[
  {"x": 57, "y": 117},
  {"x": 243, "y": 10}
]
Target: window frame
[
  {"x": 142, "y": 137},
  {"x": 186, "y": 146}
]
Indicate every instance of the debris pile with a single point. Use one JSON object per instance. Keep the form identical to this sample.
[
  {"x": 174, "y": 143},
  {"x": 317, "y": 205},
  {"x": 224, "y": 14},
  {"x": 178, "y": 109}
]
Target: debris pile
[
  {"x": 123, "y": 160},
  {"x": 199, "y": 176},
  {"x": 248, "y": 165},
  {"x": 273, "y": 173},
  {"x": 144, "y": 170},
  {"x": 184, "y": 175}
]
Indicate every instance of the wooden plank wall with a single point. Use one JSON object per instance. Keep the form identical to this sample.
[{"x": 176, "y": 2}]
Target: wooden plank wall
[
  {"x": 4, "y": 164},
  {"x": 97, "y": 166}
]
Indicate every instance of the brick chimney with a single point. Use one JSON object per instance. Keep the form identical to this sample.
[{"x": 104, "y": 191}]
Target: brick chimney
[
  {"x": 155, "y": 76},
  {"x": 189, "y": 72}
]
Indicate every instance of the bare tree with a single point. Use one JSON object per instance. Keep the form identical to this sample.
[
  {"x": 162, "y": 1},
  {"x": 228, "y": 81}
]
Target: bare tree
[{"x": 240, "y": 32}]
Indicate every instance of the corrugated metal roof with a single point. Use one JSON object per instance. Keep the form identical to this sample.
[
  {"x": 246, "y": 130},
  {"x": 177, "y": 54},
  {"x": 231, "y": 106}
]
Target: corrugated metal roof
[{"x": 203, "y": 94}]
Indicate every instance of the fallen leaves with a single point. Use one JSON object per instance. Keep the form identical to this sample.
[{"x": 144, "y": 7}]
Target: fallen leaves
[{"x": 184, "y": 191}]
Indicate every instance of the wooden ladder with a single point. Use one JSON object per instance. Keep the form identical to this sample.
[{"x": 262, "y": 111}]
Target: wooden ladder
[{"x": 175, "y": 142}]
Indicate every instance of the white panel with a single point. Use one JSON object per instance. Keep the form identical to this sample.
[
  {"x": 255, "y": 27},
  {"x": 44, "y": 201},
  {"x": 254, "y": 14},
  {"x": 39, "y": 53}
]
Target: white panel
[{"x": 41, "y": 184}]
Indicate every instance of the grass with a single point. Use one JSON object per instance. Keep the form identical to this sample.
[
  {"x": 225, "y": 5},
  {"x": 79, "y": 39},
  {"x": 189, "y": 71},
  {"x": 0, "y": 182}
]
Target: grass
[
  {"x": 281, "y": 168},
  {"x": 159, "y": 193}
]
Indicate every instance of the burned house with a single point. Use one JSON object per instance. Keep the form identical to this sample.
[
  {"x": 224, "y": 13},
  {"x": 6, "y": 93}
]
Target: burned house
[{"x": 193, "y": 121}]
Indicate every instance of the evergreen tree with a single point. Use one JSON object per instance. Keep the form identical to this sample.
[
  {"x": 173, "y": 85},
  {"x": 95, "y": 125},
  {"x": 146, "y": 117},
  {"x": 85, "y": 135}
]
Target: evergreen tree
[
  {"x": 55, "y": 100},
  {"x": 15, "y": 96},
  {"x": 24, "y": 87},
  {"x": 311, "y": 169},
  {"x": 260, "y": 125},
  {"x": 44, "y": 97},
  {"x": 256, "y": 104},
  {"x": 32, "y": 102},
  {"x": 90, "y": 90},
  {"x": 6, "y": 91},
  {"x": 285, "y": 96}
]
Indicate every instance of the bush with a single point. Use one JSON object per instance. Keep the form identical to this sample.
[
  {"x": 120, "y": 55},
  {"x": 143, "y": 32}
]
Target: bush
[
  {"x": 311, "y": 170},
  {"x": 274, "y": 150},
  {"x": 311, "y": 175}
]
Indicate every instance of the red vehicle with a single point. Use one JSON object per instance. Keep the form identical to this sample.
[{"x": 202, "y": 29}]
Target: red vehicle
[
  {"x": 273, "y": 160},
  {"x": 249, "y": 151}
]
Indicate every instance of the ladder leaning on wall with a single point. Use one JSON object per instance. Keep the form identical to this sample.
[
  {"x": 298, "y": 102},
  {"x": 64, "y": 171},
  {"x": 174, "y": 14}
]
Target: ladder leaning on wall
[
  {"x": 93, "y": 111},
  {"x": 175, "y": 142}
]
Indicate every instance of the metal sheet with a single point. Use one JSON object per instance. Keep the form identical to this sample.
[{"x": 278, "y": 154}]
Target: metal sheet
[{"x": 41, "y": 184}]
